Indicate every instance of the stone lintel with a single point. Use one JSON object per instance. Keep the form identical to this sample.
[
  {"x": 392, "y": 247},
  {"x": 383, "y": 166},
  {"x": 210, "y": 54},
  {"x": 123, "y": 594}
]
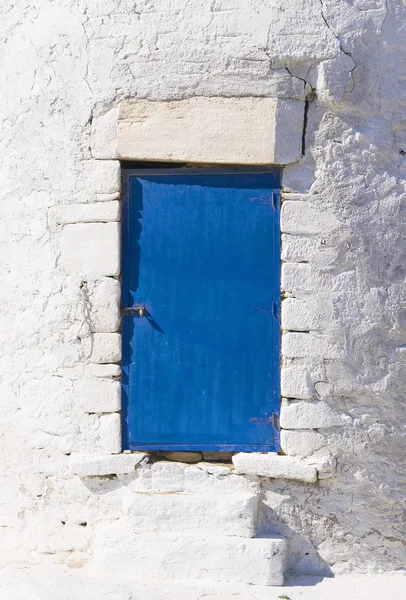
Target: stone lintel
[{"x": 216, "y": 130}]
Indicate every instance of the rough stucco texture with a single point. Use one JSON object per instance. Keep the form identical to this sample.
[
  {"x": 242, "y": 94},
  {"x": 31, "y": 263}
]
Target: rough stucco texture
[{"x": 65, "y": 64}]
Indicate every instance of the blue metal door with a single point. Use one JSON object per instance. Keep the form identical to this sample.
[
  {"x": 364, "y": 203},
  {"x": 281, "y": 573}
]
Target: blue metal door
[{"x": 201, "y": 310}]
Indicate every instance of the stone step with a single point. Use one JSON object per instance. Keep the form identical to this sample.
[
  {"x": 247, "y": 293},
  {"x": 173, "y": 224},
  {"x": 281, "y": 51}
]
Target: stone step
[
  {"x": 203, "y": 478},
  {"x": 258, "y": 561},
  {"x": 186, "y": 514}
]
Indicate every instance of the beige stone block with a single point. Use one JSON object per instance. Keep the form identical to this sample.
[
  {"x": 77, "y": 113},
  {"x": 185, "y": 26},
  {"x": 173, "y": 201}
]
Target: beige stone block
[
  {"x": 212, "y": 130},
  {"x": 186, "y": 457},
  {"x": 223, "y": 457}
]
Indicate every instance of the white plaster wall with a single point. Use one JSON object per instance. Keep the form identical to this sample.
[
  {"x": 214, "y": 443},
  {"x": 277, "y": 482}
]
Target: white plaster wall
[{"x": 66, "y": 64}]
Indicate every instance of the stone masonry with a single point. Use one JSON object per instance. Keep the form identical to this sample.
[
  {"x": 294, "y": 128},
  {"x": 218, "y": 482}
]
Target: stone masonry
[{"x": 71, "y": 74}]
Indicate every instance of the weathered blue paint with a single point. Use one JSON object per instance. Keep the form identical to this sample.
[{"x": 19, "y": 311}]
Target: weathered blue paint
[{"x": 201, "y": 254}]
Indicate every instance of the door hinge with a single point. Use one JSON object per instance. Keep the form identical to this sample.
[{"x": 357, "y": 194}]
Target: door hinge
[
  {"x": 275, "y": 309},
  {"x": 275, "y": 420},
  {"x": 275, "y": 199}
]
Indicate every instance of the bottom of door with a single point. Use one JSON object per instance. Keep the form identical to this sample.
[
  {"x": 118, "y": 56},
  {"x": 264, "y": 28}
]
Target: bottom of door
[{"x": 204, "y": 447}]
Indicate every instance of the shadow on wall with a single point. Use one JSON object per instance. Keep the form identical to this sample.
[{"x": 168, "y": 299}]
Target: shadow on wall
[{"x": 303, "y": 558}]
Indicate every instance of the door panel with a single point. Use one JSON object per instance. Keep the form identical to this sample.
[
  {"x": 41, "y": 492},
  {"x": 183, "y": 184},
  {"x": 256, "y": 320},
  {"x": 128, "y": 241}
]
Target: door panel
[{"x": 201, "y": 366}]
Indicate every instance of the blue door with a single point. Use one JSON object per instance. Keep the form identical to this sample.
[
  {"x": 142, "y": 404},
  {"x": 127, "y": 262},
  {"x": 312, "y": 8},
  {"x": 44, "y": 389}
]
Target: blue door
[{"x": 201, "y": 310}]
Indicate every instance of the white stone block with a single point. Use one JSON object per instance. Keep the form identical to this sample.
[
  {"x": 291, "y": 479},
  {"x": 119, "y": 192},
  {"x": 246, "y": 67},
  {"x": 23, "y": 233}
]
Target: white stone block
[
  {"x": 300, "y": 34},
  {"x": 96, "y": 212},
  {"x": 168, "y": 477},
  {"x": 257, "y": 561},
  {"x": 301, "y": 443},
  {"x": 302, "y": 218},
  {"x": 91, "y": 248},
  {"x": 310, "y": 415},
  {"x": 104, "y": 135},
  {"x": 213, "y": 469},
  {"x": 296, "y": 248},
  {"x": 104, "y": 177},
  {"x": 213, "y": 130},
  {"x": 297, "y": 278},
  {"x": 98, "y": 435},
  {"x": 312, "y": 313},
  {"x": 102, "y": 370},
  {"x": 106, "y": 347},
  {"x": 308, "y": 345},
  {"x": 298, "y": 178},
  {"x": 326, "y": 466},
  {"x": 334, "y": 77},
  {"x": 116, "y": 464},
  {"x": 288, "y": 131},
  {"x": 296, "y": 382},
  {"x": 295, "y": 196},
  {"x": 188, "y": 514},
  {"x": 274, "y": 466},
  {"x": 199, "y": 480},
  {"x": 98, "y": 395},
  {"x": 104, "y": 298},
  {"x": 52, "y": 537},
  {"x": 109, "y": 433},
  {"x": 107, "y": 197}
]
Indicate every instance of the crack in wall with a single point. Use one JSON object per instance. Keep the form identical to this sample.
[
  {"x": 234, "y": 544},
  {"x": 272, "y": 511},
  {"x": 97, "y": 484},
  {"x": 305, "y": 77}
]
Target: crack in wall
[
  {"x": 346, "y": 52},
  {"x": 386, "y": 15},
  {"x": 310, "y": 97}
]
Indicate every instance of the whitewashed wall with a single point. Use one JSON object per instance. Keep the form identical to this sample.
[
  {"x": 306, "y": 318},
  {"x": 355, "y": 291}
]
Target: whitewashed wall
[{"x": 65, "y": 65}]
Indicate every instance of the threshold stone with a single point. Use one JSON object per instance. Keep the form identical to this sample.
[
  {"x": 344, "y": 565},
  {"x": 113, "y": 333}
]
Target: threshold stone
[{"x": 274, "y": 466}]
